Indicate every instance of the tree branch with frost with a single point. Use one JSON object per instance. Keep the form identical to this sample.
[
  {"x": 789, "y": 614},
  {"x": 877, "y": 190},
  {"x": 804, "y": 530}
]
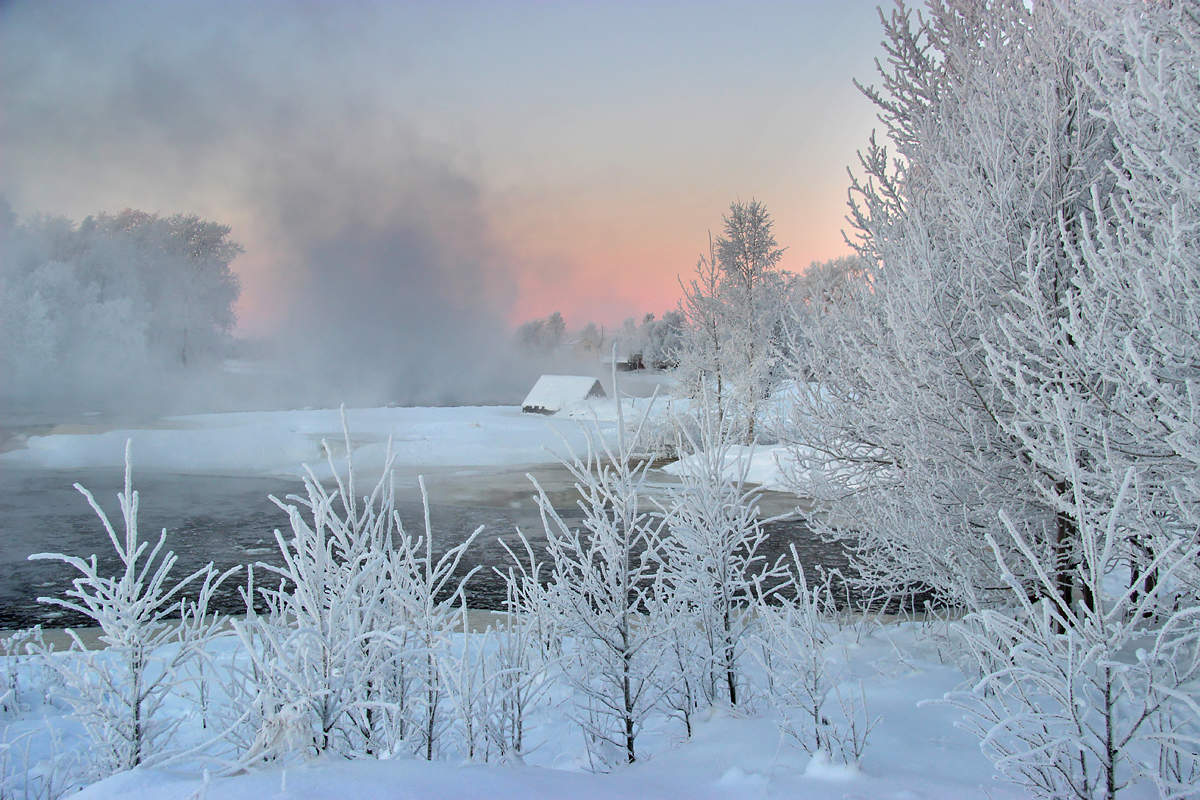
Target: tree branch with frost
[{"x": 1075, "y": 700}]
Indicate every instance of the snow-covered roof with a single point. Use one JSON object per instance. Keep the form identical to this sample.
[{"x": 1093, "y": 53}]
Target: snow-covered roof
[{"x": 553, "y": 393}]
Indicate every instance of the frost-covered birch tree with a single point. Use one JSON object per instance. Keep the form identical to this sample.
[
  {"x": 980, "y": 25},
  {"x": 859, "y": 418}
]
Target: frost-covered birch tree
[
  {"x": 1008, "y": 408},
  {"x": 604, "y": 581},
  {"x": 713, "y": 556},
  {"x": 1085, "y": 701},
  {"x": 733, "y": 311}
]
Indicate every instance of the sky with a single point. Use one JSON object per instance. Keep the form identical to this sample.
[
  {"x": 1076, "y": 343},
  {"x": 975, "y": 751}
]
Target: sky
[{"x": 443, "y": 161}]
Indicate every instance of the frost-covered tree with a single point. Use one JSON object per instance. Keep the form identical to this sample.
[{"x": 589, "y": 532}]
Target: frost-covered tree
[
  {"x": 822, "y": 291},
  {"x": 998, "y": 156},
  {"x": 795, "y": 637},
  {"x": 1007, "y": 404},
  {"x": 733, "y": 311},
  {"x": 604, "y": 581},
  {"x": 591, "y": 339},
  {"x": 81, "y": 304},
  {"x": 525, "y": 649},
  {"x": 1102, "y": 390},
  {"x": 318, "y": 651},
  {"x": 1128, "y": 329},
  {"x": 542, "y": 334},
  {"x": 350, "y": 654},
  {"x": 151, "y": 630},
  {"x": 713, "y": 558},
  {"x": 702, "y": 359},
  {"x": 662, "y": 338},
  {"x": 1084, "y": 702},
  {"x": 430, "y": 595}
]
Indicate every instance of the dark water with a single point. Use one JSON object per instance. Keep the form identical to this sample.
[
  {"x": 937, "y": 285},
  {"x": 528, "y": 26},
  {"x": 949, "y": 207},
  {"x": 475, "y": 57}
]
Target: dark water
[{"x": 231, "y": 521}]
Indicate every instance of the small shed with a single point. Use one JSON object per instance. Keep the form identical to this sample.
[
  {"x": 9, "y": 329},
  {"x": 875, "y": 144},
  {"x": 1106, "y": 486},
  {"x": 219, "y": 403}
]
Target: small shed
[{"x": 553, "y": 393}]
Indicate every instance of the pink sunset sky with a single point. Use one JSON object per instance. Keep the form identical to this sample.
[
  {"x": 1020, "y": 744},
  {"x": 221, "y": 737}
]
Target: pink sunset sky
[{"x": 532, "y": 157}]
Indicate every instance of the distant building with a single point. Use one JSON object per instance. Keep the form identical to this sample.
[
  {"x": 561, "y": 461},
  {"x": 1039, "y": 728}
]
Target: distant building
[
  {"x": 553, "y": 393},
  {"x": 630, "y": 363}
]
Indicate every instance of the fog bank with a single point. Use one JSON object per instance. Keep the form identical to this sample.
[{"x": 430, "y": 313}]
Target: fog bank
[{"x": 371, "y": 272}]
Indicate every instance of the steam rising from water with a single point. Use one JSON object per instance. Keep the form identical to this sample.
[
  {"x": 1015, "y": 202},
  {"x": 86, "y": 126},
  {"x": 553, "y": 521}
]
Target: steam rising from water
[{"x": 370, "y": 262}]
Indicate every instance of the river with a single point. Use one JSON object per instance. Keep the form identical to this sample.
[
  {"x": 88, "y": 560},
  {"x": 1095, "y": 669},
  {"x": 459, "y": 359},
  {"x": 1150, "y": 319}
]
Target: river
[{"x": 231, "y": 521}]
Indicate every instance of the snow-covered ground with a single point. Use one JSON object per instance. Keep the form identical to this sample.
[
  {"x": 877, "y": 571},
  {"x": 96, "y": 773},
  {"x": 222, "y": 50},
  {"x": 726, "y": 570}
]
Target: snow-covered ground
[
  {"x": 277, "y": 442},
  {"x": 771, "y": 466},
  {"x": 914, "y": 752}
]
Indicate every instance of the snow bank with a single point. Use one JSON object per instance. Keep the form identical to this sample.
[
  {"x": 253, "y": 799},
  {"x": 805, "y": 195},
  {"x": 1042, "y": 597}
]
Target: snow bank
[
  {"x": 277, "y": 442},
  {"x": 769, "y": 466},
  {"x": 915, "y": 751}
]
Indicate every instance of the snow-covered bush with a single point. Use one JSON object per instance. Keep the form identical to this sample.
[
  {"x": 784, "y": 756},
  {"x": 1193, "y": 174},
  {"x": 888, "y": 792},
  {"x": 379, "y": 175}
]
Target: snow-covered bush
[
  {"x": 603, "y": 584},
  {"x": 427, "y": 597},
  {"x": 526, "y": 645},
  {"x": 349, "y": 654},
  {"x": 713, "y": 561},
  {"x": 15, "y": 671},
  {"x": 467, "y": 674},
  {"x": 1081, "y": 700},
  {"x": 316, "y": 650},
  {"x": 35, "y": 765},
  {"x": 795, "y": 646},
  {"x": 149, "y": 631}
]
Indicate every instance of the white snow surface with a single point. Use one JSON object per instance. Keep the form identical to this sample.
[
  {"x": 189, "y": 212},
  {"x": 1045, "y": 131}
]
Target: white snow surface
[
  {"x": 767, "y": 465},
  {"x": 916, "y": 751},
  {"x": 276, "y": 442}
]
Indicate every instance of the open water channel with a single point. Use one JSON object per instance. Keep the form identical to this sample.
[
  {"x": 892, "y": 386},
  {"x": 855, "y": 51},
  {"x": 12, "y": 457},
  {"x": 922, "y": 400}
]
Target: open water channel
[{"x": 230, "y": 521}]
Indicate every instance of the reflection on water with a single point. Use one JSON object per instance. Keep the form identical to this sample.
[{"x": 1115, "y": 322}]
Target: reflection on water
[{"x": 230, "y": 521}]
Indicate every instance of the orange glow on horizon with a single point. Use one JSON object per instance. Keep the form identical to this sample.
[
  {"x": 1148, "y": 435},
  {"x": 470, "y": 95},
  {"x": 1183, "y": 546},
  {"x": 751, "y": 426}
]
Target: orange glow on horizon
[{"x": 604, "y": 270}]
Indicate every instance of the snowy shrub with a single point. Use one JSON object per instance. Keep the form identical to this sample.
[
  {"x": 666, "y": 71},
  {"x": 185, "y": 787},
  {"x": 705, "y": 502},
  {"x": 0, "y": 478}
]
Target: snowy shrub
[
  {"x": 427, "y": 598},
  {"x": 1082, "y": 700},
  {"x": 348, "y": 656},
  {"x": 316, "y": 648},
  {"x": 150, "y": 631},
  {"x": 17, "y": 671},
  {"x": 796, "y": 641},
  {"x": 526, "y": 645},
  {"x": 712, "y": 561},
  {"x": 34, "y": 765},
  {"x": 469, "y": 681},
  {"x": 604, "y": 578}
]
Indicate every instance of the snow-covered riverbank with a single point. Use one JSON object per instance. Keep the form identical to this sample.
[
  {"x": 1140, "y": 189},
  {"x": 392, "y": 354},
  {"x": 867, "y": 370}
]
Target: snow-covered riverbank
[
  {"x": 277, "y": 442},
  {"x": 915, "y": 751}
]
